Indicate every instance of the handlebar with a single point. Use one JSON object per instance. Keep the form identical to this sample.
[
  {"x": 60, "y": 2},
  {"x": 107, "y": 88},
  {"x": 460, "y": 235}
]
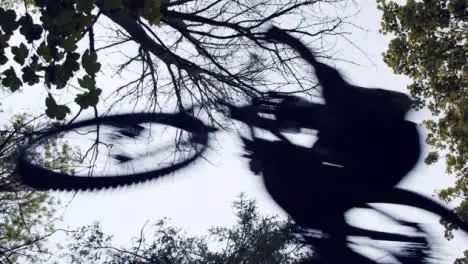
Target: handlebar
[
  {"x": 290, "y": 114},
  {"x": 250, "y": 115}
]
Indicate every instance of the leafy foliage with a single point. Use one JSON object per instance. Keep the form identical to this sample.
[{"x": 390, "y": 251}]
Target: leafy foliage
[
  {"x": 63, "y": 24},
  {"x": 429, "y": 46},
  {"x": 203, "y": 50},
  {"x": 254, "y": 239},
  {"x": 14, "y": 3},
  {"x": 55, "y": 58},
  {"x": 26, "y": 216},
  {"x": 54, "y": 110},
  {"x": 463, "y": 260},
  {"x": 24, "y": 224}
]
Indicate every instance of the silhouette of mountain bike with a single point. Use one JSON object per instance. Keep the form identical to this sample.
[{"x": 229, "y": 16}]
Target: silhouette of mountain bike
[
  {"x": 132, "y": 126},
  {"x": 364, "y": 148}
]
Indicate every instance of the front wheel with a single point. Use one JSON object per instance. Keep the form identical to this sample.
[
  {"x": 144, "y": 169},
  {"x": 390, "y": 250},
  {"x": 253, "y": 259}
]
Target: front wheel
[{"x": 112, "y": 151}]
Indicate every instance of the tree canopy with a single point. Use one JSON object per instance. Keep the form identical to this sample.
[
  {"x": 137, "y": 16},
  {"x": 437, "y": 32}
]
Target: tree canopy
[
  {"x": 429, "y": 46},
  {"x": 191, "y": 50},
  {"x": 26, "y": 217},
  {"x": 254, "y": 239}
]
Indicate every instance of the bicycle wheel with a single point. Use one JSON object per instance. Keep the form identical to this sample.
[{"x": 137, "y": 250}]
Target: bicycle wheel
[
  {"x": 399, "y": 196},
  {"x": 414, "y": 247},
  {"x": 118, "y": 135}
]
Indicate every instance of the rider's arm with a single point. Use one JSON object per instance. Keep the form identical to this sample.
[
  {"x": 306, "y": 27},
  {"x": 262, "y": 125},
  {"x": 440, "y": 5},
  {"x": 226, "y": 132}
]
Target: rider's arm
[
  {"x": 304, "y": 114},
  {"x": 335, "y": 88}
]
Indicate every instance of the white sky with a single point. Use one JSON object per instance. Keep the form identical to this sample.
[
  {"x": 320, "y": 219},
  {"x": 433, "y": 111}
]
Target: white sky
[{"x": 200, "y": 197}]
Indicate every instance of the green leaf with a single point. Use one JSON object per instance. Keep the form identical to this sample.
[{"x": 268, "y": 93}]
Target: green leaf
[
  {"x": 85, "y": 6},
  {"x": 4, "y": 38},
  {"x": 44, "y": 51},
  {"x": 35, "y": 65},
  {"x": 55, "y": 74},
  {"x": 54, "y": 110},
  {"x": 62, "y": 77},
  {"x": 8, "y": 21},
  {"x": 20, "y": 53},
  {"x": 68, "y": 44},
  {"x": 11, "y": 80},
  {"x": 89, "y": 62},
  {"x": 29, "y": 76},
  {"x": 3, "y": 59},
  {"x": 71, "y": 64},
  {"x": 87, "y": 82},
  {"x": 50, "y": 101},
  {"x": 155, "y": 19},
  {"x": 431, "y": 158},
  {"x": 53, "y": 43},
  {"x": 152, "y": 12},
  {"x": 88, "y": 99},
  {"x": 28, "y": 29},
  {"x": 35, "y": 33}
]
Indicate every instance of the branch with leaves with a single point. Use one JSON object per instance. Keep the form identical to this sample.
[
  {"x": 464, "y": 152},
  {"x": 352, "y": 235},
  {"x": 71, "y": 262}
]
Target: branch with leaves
[{"x": 195, "y": 51}]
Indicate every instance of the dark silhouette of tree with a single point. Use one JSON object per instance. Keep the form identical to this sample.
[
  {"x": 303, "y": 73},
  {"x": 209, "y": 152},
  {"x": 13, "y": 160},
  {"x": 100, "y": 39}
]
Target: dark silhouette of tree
[
  {"x": 253, "y": 239},
  {"x": 191, "y": 50}
]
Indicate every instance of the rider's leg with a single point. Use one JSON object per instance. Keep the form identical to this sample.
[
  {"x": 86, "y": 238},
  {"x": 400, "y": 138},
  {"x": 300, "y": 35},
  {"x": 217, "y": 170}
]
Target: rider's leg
[{"x": 381, "y": 158}]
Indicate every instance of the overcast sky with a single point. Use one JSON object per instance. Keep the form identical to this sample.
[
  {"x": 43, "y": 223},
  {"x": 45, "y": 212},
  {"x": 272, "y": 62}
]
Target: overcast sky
[{"x": 201, "y": 196}]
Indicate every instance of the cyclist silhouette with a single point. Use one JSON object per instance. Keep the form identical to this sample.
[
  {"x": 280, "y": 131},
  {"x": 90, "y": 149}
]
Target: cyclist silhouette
[
  {"x": 363, "y": 131},
  {"x": 365, "y": 127}
]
